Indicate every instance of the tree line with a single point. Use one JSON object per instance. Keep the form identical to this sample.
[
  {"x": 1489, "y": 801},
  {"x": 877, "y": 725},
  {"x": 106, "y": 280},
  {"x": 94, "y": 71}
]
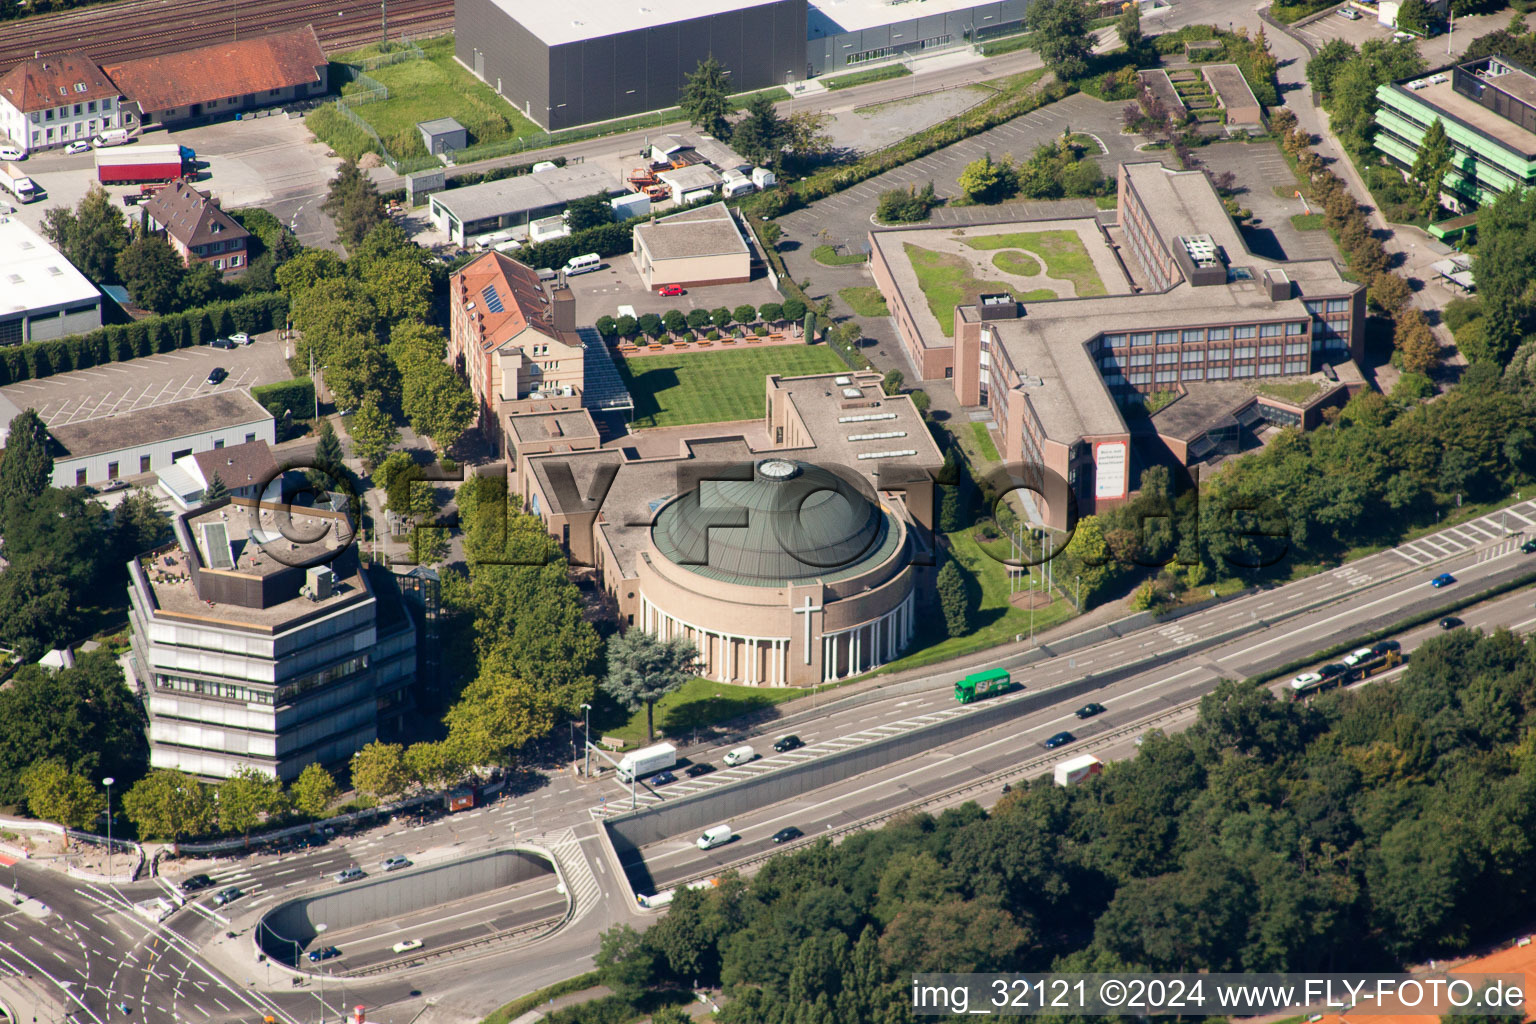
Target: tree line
[{"x": 1362, "y": 832}]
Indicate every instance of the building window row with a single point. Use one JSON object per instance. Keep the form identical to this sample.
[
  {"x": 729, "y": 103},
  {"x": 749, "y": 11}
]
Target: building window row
[
  {"x": 288, "y": 691},
  {"x": 210, "y": 688}
]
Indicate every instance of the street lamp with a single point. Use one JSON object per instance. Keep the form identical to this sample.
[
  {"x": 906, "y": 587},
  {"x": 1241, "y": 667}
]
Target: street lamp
[
  {"x": 586, "y": 732},
  {"x": 294, "y": 942},
  {"x": 108, "y": 783}
]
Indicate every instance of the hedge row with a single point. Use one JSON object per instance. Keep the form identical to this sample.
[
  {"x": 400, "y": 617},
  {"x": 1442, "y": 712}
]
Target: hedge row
[
  {"x": 496, "y": 173},
  {"x": 605, "y": 240},
  {"x": 296, "y": 397},
  {"x": 118, "y": 342},
  {"x": 988, "y": 114}
]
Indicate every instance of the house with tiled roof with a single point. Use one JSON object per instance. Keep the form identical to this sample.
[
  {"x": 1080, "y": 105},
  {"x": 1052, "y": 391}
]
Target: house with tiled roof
[
  {"x": 515, "y": 342},
  {"x": 197, "y": 229},
  {"x": 55, "y": 100},
  {"x": 219, "y": 79}
]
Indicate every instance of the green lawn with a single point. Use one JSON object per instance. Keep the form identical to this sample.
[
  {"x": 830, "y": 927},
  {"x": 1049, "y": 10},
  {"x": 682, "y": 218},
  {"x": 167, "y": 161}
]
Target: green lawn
[
  {"x": 1065, "y": 257},
  {"x": 947, "y": 282},
  {"x": 865, "y": 77},
  {"x": 1307, "y": 221},
  {"x": 422, "y": 90},
  {"x": 1292, "y": 391},
  {"x": 705, "y": 387},
  {"x": 700, "y": 702},
  {"x": 830, "y": 256},
  {"x": 1012, "y": 261},
  {"x": 995, "y": 619},
  {"x": 984, "y": 442},
  {"x": 865, "y": 301}
]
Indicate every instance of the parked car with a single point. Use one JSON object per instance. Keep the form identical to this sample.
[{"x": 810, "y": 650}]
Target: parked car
[
  {"x": 1445, "y": 579},
  {"x": 197, "y": 883},
  {"x": 1449, "y": 622},
  {"x": 11, "y": 153},
  {"x": 349, "y": 874},
  {"x": 784, "y": 835},
  {"x": 395, "y": 863},
  {"x": 406, "y": 945},
  {"x": 227, "y": 896},
  {"x": 1529, "y": 547},
  {"x": 114, "y": 485},
  {"x": 785, "y": 743},
  {"x": 317, "y": 955},
  {"x": 81, "y": 146},
  {"x": 1089, "y": 710},
  {"x": 124, "y": 1009},
  {"x": 1350, "y": 13},
  {"x": 670, "y": 289},
  {"x": 663, "y": 779},
  {"x": 222, "y": 343},
  {"x": 1061, "y": 739},
  {"x": 217, "y": 375},
  {"x": 699, "y": 768},
  {"x": 241, "y": 338}
]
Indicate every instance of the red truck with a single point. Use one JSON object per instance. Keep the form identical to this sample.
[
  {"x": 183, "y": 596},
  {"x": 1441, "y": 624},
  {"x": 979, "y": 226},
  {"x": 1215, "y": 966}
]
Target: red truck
[{"x": 139, "y": 164}]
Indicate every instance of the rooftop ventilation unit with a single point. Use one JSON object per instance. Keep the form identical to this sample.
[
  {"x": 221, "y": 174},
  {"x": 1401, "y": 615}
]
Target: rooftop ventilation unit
[
  {"x": 1201, "y": 250},
  {"x": 877, "y": 437},
  {"x": 865, "y": 417},
  {"x": 843, "y": 381},
  {"x": 320, "y": 582},
  {"x": 888, "y": 455}
]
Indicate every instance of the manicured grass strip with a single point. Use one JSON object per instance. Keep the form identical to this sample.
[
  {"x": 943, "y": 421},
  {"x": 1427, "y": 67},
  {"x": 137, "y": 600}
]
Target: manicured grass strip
[
  {"x": 1065, "y": 257},
  {"x": 517, "y": 1007},
  {"x": 865, "y": 77},
  {"x": 829, "y": 256},
  {"x": 947, "y": 282},
  {"x": 698, "y": 703},
  {"x": 865, "y": 301},
  {"x": 984, "y": 442},
  {"x": 1012, "y": 261},
  {"x": 705, "y": 387},
  {"x": 1307, "y": 221}
]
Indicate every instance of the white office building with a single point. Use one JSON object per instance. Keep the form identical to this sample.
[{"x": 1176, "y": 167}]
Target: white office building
[{"x": 55, "y": 100}]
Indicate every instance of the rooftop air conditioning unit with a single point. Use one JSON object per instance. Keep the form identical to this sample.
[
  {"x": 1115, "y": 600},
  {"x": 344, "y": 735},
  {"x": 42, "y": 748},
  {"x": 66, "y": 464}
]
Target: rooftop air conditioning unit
[{"x": 320, "y": 581}]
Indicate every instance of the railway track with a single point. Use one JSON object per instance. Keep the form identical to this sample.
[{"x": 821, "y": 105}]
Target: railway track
[{"x": 141, "y": 28}]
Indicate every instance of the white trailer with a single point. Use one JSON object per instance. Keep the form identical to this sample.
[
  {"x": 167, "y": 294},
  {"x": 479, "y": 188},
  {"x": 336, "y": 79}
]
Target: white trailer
[
  {"x": 647, "y": 761},
  {"x": 1070, "y": 773},
  {"x": 17, "y": 183}
]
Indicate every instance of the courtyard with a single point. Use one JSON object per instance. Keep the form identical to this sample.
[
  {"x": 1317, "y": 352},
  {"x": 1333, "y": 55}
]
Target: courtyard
[{"x": 708, "y": 387}]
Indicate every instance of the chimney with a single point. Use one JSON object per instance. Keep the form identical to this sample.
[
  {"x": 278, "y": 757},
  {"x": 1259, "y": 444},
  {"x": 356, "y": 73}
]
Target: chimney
[{"x": 565, "y": 311}]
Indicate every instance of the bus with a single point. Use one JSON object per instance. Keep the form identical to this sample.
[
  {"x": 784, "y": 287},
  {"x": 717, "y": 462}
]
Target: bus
[{"x": 980, "y": 685}]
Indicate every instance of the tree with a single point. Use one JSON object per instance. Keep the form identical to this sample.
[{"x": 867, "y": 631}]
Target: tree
[
  {"x": 650, "y": 325},
  {"x": 379, "y": 770},
  {"x": 624, "y": 962},
  {"x": 746, "y": 313},
  {"x": 308, "y": 269},
  {"x": 771, "y": 312},
  {"x": 626, "y": 326},
  {"x": 989, "y": 181},
  {"x": 674, "y": 321},
  {"x": 805, "y": 136},
  {"x": 169, "y": 805},
  {"x": 152, "y": 273},
  {"x": 1062, "y": 37},
  {"x": 589, "y": 212},
  {"x": 892, "y": 381},
  {"x": 90, "y": 236},
  {"x": 200, "y": 285},
  {"x": 434, "y": 765},
  {"x": 373, "y": 432},
  {"x": 328, "y": 452},
  {"x": 216, "y": 490},
  {"x": 354, "y": 204},
  {"x": 1415, "y": 339},
  {"x": 760, "y": 134},
  {"x": 25, "y": 467},
  {"x": 794, "y": 309},
  {"x": 1128, "y": 25},
  {"x": 1433, "y": 161},
  {"x": 698, "y": 319},
  {"x": 906, "y": 205},
  {"x": 54, "y": 793},
  {"x": 500, "y": 711},
  {"x": 1415, "y": 16},
  {"x": 141, "y": 524},
  {"x": 642, "y": 669},
  {"x": 705, "y": 98},
  {"x": 1503, "y": 266},
  {"x": 313, "y": 791},
  {"x": 438, "y": 403},
  {"x": 37, "y": 609},
  {"x": 359, "y": 372},
  {"x": 245, "y": 798},
  {"x": 720, "y": 316},
  {"x": 1389, "y": 293},
  {"x": 953, "y": 600}
]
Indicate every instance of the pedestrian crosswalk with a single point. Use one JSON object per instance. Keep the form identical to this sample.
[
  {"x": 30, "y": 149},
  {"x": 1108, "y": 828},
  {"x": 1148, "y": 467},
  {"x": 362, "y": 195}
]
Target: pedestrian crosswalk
[
  {"x": 1504, "y": 526},
  {"x": 580, "y": 883}
]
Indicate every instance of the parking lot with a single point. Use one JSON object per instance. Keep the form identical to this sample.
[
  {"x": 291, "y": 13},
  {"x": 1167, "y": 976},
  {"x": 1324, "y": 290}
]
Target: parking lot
[
  {"x": 153, "y": 380},
  {"x": 602, "y": 292},
  {"x": 1437, "y": 50},
  {"x": 1260, "y": 169}
]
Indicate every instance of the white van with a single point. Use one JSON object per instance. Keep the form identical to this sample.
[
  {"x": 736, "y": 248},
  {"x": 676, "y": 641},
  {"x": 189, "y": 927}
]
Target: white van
[
  {"x": 717, "y": 836},
  {"x": 583, "y": 264},
  {"x": 115, "y": 137},
  {"x": 740, "y": 755}
]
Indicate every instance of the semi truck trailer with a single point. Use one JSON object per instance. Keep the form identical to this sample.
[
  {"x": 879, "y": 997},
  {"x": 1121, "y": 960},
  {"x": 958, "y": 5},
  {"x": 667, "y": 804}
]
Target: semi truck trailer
[{"x": 139, "y": 164}]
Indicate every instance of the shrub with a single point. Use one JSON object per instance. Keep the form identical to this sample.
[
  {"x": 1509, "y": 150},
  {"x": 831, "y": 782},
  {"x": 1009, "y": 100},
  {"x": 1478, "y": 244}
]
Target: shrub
[
  {"x": 606, "y": 326},
  {"x": 698, "y": 319},
  {"x": 906, "y": 205},
  {"x": 295, "y": 397}
]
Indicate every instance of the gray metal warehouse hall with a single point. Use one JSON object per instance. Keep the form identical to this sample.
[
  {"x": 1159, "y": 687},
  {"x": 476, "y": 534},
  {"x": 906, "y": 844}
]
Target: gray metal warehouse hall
[{"x": 571, "y": 64}]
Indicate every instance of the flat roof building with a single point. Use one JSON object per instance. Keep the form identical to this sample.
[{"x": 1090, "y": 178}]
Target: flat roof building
[
  {"x": 42, "y": 295},
  {"x": 1193, "y": 305},
  {"x": 847, "y": 34},
  {"x": 443, "y": 135},
  {"x": 820, "y": 576},
  {"x": 1234, "y": 94},
  {"x": 515, "y": 202},
  {"x": 694, "y": 248},
  {"x": 1488, "y": 110},
  {"x": 260, "y": 641}
]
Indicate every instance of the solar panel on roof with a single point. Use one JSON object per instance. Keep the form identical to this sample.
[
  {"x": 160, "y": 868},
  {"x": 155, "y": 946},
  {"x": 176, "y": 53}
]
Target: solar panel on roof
[
  {"x": 492, "y": 299},
  {"x": 216, "y": 546}
]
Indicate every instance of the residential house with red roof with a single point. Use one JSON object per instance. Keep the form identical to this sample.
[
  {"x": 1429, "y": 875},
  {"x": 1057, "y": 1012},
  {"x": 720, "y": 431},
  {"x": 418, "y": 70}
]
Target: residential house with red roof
[
  {"x": 198, "y": 229},
  {"x": 55, "y": 100},
  {"x": 211, "y": 81},
  {"x": 515, "y": 342}
]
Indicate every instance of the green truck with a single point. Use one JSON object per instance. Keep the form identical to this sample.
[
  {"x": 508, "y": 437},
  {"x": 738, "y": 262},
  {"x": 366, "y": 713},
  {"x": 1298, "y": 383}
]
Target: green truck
[{"x": 980, "y": 685}]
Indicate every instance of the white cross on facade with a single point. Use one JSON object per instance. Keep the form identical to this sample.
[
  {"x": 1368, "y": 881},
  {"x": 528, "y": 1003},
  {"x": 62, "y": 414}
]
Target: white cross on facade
[{"x": 806, "y": 611}]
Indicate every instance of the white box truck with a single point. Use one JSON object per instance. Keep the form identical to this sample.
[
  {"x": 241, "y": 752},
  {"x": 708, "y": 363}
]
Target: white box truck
[
  {"x": 17, "y": 183},
  {"x": 1071, "y": 772},
  {"x": 647, "y": 761}
]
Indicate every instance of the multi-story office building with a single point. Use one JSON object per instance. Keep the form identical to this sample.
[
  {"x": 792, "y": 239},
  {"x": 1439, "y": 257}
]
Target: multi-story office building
[
  {"x": 1488, "y": 110},
  {"x": 54, "y": 100},
  {"x": 260, "y": 640}
]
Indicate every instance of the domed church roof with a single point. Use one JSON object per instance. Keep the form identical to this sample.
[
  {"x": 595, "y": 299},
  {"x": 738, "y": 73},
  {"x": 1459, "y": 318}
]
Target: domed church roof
[{"x": 774, "y": 522}]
